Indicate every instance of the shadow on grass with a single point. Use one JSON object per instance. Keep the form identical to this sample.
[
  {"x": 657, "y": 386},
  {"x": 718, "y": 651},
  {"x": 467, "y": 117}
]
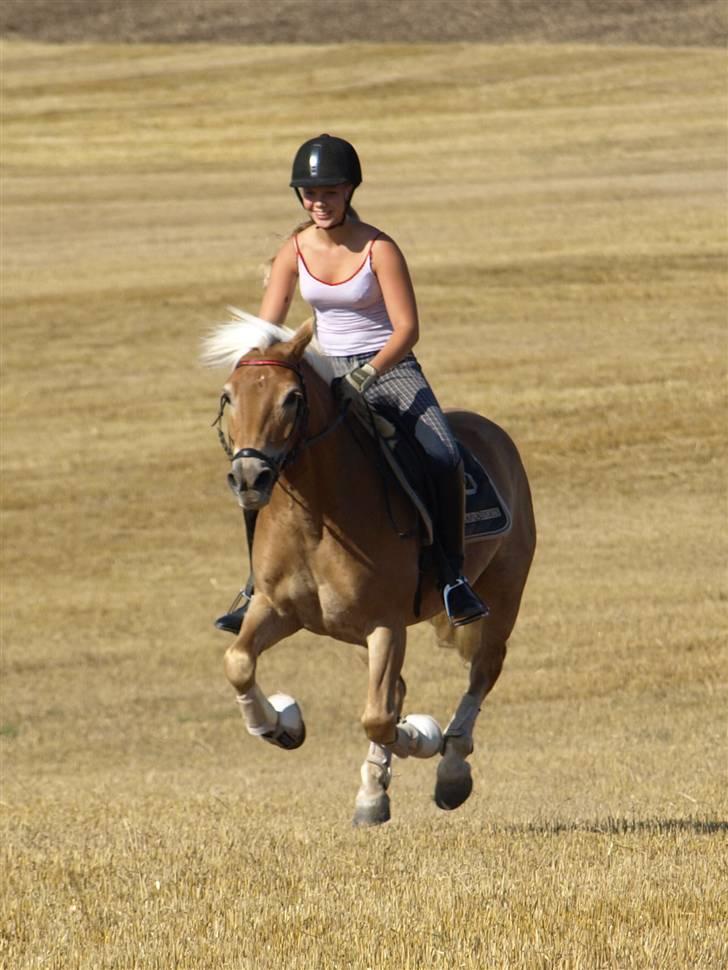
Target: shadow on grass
[{"x": 623, "y": 826}]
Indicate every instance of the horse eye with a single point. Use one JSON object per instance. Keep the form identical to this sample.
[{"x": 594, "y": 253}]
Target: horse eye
[{"x": 292, "y": 398}]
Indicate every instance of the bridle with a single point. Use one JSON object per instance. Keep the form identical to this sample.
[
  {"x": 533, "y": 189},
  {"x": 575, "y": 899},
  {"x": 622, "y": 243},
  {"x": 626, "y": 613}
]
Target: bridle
[{"x": 298, "y": 434}]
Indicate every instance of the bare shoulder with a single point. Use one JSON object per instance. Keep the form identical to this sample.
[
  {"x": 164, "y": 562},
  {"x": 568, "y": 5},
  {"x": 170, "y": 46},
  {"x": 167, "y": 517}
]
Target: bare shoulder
[
  {"x": 386, "y": 252},
  {"x": 385, "y": 241},
  {"x": 366, "y": 232},
  {"x": 286, "y": 255},
  {"x": 282, "y": 269}
]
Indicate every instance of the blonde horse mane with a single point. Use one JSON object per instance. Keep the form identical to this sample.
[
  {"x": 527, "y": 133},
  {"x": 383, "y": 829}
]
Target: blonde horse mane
[{"x": 227, "y": 342}]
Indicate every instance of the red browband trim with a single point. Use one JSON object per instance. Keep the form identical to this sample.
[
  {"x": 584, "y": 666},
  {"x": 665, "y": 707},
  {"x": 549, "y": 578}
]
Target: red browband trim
[{"x": 259, "y": 361}]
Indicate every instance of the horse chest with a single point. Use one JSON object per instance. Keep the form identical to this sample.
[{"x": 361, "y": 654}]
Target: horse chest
[{"x": 325, "y": 599}]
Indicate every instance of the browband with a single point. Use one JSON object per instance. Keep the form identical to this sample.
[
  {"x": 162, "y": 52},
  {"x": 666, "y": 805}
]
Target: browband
[{"x": 259, "y": 361}]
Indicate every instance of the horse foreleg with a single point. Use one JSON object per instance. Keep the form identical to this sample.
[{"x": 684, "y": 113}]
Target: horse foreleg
[
  {"x": 454, "y": 778},
  {"x": 276, "y": 719},
  {"x": 372, "y": 801},
  {"x": 385, "y": 655}
]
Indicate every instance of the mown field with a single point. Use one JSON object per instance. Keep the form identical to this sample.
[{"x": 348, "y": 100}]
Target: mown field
[{"x": 563, "y": 213}]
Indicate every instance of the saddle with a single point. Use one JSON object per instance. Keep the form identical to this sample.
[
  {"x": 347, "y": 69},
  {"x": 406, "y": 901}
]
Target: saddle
[{"x": 486, "y": 514}]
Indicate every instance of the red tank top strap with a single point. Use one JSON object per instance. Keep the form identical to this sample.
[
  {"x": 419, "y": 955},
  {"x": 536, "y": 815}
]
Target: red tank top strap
[{"x": 371, "y": 247}]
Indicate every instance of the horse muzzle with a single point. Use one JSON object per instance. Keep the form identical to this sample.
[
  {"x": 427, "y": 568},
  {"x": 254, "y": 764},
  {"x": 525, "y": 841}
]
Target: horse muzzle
[{"x": 252, "y": 479}]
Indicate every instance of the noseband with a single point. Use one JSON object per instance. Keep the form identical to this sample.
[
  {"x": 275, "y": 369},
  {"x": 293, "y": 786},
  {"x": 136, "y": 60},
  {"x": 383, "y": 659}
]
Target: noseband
[{"x": 276, "y": 465}]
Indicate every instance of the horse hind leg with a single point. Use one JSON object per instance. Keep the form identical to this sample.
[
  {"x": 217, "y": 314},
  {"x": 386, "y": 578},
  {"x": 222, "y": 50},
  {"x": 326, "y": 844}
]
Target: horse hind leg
[{"x": 454, "y": 776}]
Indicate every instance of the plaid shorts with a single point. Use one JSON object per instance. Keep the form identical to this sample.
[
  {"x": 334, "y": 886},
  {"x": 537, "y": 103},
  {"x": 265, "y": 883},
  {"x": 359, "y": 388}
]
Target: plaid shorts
[{"x": 403, "y": 393}]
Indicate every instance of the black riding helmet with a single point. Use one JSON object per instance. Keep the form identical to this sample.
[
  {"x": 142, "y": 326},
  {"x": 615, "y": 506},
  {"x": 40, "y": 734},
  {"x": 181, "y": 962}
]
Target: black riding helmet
[{"x": 325, "y": 160}]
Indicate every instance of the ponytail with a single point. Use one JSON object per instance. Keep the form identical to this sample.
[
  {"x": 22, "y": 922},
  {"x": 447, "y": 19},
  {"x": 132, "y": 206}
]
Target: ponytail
[{"x": 301, "y": 226}]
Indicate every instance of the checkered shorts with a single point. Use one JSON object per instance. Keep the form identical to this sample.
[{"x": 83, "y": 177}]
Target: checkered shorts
[{"x": 403, "y": 392}]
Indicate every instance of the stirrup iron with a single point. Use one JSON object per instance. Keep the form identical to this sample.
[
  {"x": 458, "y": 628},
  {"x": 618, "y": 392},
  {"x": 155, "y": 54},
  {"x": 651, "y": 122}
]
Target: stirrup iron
[
  {"x": 462, "y": 604},
  {"x": 232, "y": 621}
]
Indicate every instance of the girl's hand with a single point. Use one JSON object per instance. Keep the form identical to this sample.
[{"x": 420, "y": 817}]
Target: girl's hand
[{"x": 359, "y": 379}]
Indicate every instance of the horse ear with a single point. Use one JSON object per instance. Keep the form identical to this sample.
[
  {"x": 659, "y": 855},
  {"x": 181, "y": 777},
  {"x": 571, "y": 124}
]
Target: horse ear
[{"x": 301, "y": 339}]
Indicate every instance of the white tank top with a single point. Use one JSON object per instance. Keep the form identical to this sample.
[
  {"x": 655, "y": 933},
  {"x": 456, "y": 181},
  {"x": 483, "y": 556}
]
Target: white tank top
[{"x": 351, "y": 317}]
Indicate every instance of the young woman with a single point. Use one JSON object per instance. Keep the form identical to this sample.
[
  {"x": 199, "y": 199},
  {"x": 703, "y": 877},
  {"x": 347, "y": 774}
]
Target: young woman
[{"x": 357, "y": 281}]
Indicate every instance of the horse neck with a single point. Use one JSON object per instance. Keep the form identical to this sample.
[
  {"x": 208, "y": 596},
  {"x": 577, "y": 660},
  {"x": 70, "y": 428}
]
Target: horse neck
[{"x": 324, "y": 471}]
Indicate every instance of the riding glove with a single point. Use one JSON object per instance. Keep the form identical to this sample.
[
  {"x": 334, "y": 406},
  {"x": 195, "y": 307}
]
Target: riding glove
[{"x": 361, "y": 378}]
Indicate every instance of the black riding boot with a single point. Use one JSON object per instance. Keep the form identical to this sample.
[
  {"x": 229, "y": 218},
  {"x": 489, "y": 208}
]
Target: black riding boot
[{"x": 461, "y": 602}]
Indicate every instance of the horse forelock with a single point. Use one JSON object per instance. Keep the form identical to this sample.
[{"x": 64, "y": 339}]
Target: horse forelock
[{"x": 228, "y": 342}]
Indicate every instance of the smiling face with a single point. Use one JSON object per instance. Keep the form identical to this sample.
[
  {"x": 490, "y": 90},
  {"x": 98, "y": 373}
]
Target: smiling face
[{"x": 326, "y": 204}]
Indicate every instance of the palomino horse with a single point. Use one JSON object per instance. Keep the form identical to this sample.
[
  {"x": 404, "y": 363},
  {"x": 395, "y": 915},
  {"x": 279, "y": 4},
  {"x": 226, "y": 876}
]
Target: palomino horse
[{"x": 326, "y": 557}]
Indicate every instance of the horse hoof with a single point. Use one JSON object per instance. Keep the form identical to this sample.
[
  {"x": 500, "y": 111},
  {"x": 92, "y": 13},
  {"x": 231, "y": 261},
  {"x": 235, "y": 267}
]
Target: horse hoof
[
  {"x": 450, "y": 793},
  {"x": 287, "y": 740},
  {"x": 376, "y": 812}
]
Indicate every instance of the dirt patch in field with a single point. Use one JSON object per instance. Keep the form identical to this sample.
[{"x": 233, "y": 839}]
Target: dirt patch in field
[{"x": 658, "y": 22}]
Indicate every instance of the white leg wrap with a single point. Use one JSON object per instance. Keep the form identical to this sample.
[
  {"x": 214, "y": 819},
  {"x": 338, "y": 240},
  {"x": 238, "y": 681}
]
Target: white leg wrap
[
  {"x": 418, "y": 736},
  {"x": 405, "y": 743},
  {"x": 463, "y": 720},
  {"x": 258, "y": 713},
  {"x": 377, "y": 767}
]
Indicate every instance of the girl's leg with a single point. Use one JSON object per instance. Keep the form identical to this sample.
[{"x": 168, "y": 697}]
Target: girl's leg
[{"x": 405, "y": 389}]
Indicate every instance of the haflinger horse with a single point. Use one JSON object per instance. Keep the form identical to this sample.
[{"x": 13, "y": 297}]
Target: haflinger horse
[{"x": 326, "y": 557}]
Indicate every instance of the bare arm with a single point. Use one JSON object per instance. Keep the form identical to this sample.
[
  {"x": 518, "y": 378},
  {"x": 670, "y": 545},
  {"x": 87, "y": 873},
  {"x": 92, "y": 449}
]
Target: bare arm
[
  {"x": 391, "y": 270},
  {"x": 281, "y": 285}
]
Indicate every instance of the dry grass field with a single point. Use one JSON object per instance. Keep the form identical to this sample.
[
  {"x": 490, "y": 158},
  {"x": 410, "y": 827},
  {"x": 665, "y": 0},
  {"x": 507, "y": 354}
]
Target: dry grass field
[{"x": 563, "y": 212}]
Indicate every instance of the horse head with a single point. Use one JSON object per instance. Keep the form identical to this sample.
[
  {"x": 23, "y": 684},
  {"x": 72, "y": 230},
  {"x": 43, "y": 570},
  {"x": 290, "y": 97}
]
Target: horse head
[{"x": 267, "y": 416}]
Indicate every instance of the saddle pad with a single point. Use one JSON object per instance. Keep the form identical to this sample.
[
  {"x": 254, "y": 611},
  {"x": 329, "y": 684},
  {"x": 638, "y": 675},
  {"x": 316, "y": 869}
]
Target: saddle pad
[{"x": 486, "y": 514}]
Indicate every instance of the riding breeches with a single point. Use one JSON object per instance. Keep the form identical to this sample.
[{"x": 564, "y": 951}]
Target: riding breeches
[{"x": 404, "y": 392}]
